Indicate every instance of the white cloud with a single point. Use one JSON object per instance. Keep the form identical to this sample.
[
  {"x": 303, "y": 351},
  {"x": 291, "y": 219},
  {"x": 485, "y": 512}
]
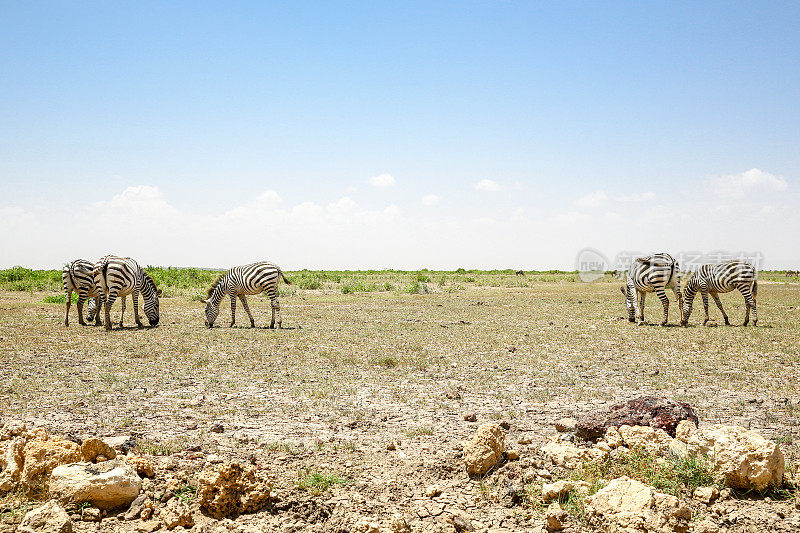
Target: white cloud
[
  {"x": 594, "y": 199},
  {"x": 431, "y": 199},
  {"x": 342, "y": 207},
  {"x": 487, "y": 185},
  {"x": 382, "y": 180},
  {"x": 740, "y": 185},
  {"x": 637, "y": 197}
]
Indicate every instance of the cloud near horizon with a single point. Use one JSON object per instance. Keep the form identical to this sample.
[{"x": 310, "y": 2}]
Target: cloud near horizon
[
  {"x": 382, "y": 180},
  {"x": 342, "y": 233}
]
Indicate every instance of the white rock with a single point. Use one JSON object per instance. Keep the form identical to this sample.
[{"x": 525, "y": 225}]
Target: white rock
[
  {"x": 106, "y": 485},
  {"x": 685, "y": 429},
  {"x": 568, "y": 456},
  {"x": 565, "y": 425},
  {"x": 651, "y": 439},
  {"x": 612, "y": 437},
  {"x": 745, "y": 459},
  {"x": 47, "y": 518},
  {"x": 556, "y": 517},
  {"x": 485, "y": 449},
  {"x": 554, "y": 491},
  {"x": 627, "y": 505},
  {"x": 705, "y": 494}
]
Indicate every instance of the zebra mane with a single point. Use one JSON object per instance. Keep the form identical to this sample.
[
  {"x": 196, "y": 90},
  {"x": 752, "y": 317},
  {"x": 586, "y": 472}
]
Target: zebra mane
[
  {"x": 214, "y": 285},
  {"x": 149, "y": 278}
]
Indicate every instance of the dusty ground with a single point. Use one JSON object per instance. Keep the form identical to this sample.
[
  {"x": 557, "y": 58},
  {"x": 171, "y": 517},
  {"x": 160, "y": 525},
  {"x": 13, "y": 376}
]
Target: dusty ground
[{"x": 352, "y": 373}]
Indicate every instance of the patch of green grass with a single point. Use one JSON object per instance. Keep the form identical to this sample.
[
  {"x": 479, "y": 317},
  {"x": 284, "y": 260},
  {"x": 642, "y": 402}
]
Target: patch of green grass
[
  {"x": 421, "y": 430},
  {"x": 318, "y": 482},
  {"x": 387, "y": 361},
  {"x": 673, "y": 475},
  {"x": 186, "y": 492},
  {"x": 59, "y": 299}
]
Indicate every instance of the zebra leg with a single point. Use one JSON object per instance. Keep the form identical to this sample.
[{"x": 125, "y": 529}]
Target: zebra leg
[
  {"x": 69, "y": 302},
  {"x": 122, "y": 315},
  {"x": 276, "y": 309},
  {"x": 109, "y": 302},
  {"x": 676, "y": 288},
  {"x": 705, "y": 305},
  {"x": 247, "y": 310},
  {"x": 721, "y": 310},
  {"x": 641, "y": 304},
  {"x": 665, "y": 302},
  {"x": 98, "y": 300},
  {"x": 135, "y": 298},
  {"x": 233, "y": 310},
  {"x": 79, "y": 305},
  {"x": 749, "y": 302}
]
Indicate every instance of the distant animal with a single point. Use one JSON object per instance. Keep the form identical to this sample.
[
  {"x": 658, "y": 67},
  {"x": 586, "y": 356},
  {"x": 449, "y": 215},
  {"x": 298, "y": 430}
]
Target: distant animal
[
  {"x": 120, "y": 276},
  {"x": 520, "y": 273},
  {"x": 241, "y": 281},
  {"x": 721, "y": 278},
  {"x": 616, "y": 274},
  {"x": 78, "y": 276},
  {"x": 653, "y": 273},
  {"x": 792, "y": 273}
]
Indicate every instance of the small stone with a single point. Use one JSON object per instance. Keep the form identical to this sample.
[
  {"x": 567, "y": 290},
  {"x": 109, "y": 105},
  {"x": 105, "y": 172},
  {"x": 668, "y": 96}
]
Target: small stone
[
  {"x": 485, "y": 449},
  {"x": 462, "y": 524},
  {"x": 471, "y": 417},
  {"x": 554, "y": 491},
  {"x": 565, "y": 425},
  {"x": 217, "y": 428},
  {"x": 149, "y": 527},
  {"x": 524, "y": 441},
  {"x": 433, "y": 491},
  {"x": 705, "y": 495},
  {"x": 505, "y": 425},
  {"x": 391, "y": 446},
  {"x": 94, "y": 448},
  {"x": 91, "y": 514},
  {"x": 544, "y": 474},
  {"x": 400, "y": 524},
  {"x": 556, "y": 517},
  {"x": 512, "y": 455},
  {"x": 135, "y": 510},
  {"x": 213, "y": 459}
]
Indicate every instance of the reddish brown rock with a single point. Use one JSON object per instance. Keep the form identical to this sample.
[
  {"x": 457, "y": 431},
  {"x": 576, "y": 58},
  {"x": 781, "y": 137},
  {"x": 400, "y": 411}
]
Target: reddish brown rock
[{"x": 652, "y": 411}]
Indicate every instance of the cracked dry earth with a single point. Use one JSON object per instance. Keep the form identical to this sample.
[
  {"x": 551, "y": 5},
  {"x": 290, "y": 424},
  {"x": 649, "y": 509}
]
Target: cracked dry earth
[{"x": 374, "y": 388}]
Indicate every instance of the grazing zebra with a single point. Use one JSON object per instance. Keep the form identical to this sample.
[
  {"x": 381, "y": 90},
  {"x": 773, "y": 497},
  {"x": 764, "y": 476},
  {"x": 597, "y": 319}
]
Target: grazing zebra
[
  {"x": 520, "y": 272},
  {"x": 245, "y": 280},
  {"x": 78, "y": 276},
  {"x": 792, "y": 273},
  {"x": 653, "y": 273},
  {"x": 722, "y": 277},
  {"x": 120, "y": 276}
]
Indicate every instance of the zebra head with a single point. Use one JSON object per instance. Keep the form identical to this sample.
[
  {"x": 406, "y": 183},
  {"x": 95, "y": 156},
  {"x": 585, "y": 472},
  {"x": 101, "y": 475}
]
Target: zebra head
[
  {"x": 92, "y": 309},
  {"x": 212, "y": 312},
  {"x": 628, "y": 303},
  {"x": 689, "y": 292},
  {"x": 151, "y": 295}
]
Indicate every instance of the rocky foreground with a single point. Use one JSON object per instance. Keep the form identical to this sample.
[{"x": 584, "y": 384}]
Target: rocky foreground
[{"x": 590, "y": 477}]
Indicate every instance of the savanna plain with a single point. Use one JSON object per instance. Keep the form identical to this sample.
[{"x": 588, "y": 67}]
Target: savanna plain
[{"x": 357, "y": 411}]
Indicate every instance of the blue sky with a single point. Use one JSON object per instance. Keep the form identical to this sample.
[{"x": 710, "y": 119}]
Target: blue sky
[{"x": 621, "y": 126}]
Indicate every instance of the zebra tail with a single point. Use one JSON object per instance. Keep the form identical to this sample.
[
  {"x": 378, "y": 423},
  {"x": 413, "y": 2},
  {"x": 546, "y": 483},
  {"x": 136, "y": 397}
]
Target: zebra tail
[
  {"x": 755, "y": 288},
  {"x": 71, "y": 276},
  {"x": 285, "y": 279},
  {"x": 104, "y": 273}
]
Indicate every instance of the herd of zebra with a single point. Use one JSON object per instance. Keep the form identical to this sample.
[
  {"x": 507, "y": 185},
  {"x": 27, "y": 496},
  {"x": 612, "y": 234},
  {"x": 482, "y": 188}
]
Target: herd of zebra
[{"x": 112, "y": 277}]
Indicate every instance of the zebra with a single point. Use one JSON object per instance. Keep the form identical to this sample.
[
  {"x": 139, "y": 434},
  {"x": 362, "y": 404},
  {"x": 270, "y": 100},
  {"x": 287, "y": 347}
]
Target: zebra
[
  {"x": 120, "y": 276},
  {"x": 520, "y": 272},
  {"x": 792, "y": 273},
  {"x": 653, "y": 273},
  {"x": 721, "y": 278},
  {"x": 245, "y": 280},
  {"x": 78, "y": 276}
]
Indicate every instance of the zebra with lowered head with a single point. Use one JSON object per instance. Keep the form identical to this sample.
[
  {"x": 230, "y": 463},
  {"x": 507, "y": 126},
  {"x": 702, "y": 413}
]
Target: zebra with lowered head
[
  {"x": 653, "y": 273},
  {"x": 721, "y": 278},
  {"x": 78, "y": 276},
  {"x": 241, "y": 281},
  {"x": 120, "y": 276}
]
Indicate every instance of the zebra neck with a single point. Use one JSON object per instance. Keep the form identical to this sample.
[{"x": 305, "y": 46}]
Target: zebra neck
[{"x": 219, "y": 291}]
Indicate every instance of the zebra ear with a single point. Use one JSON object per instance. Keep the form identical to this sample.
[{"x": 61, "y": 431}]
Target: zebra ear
[{"x": 203, "y": 302}]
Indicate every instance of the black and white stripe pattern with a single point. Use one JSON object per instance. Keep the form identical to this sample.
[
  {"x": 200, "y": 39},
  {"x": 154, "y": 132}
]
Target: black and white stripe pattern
[
  {"x": 120, "y": 276},
  {"x": 78, "y": 276},
  {"x": 654, "y": 273},
  {"x": 722, "y": 278},
  {"x": 245, "y": 280}
]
